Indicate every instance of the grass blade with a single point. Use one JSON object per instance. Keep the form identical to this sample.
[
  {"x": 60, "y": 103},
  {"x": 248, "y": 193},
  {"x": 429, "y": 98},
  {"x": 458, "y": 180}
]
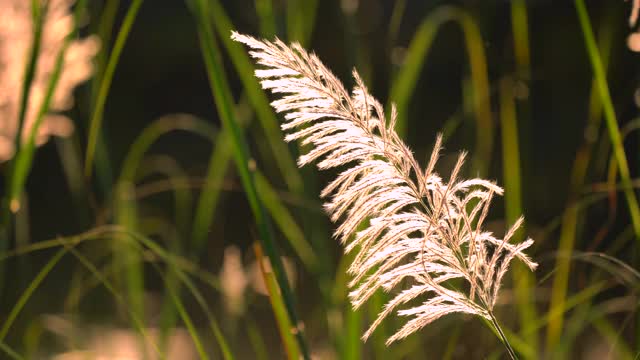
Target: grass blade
[
  {"x": 98, "y": 112},
  {"x": 285, "y": 221},
  {"x": 523, "y": 280},
  {"x": 560, "y": 283},
  {"x": 264, "y": 9},
  {"x": 609, "y": 114},
  {"x": 301, "y": 16},
  {"x": 405, "y": 82},
  {"x": 136, "y": 320},
  {"x": 256, "y": 97},
  {"x": 10, "y": 352},
  {"x": 222, "y": 98},
  {"x": 286, "y": 328},
  {"x": 26, "y": 295}
]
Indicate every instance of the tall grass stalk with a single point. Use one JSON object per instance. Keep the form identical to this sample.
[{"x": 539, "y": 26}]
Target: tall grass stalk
[
  {"x": 609, "y": 114},
  {"x": 285, "y": 327},
  {"x": 523, "y": 280},
  {"x": 256, "y": 97},
  {"x": 224, "y": 105}
]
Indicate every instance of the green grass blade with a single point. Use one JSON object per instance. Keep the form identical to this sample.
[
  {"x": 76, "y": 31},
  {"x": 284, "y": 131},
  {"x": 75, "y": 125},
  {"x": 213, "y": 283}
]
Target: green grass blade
[
  {"x": 256, "y": 96},
  {"x": 218, "y": 165},
  {"x": 301, "y": 16},
  {"x": 520, "y": 28},
  {"x": 560, "y": 283},
  {"x": 213, "y": 323},
  {"x": 217, "y": 169},
  {"x": 352, "y": 345},
  {"x": 98, "y": 112},
  {"x": 257, "y": 341},
  {"x": 176, "y": 177},
  {"x": 285, "y": 221},
  {"x": 215, "y": 175},
  {"x": 126, "y": 216},
  {"x": 523, "y": 280},
  {"x": 153, "y": 132},
  {"x": 184, "y": 315},
  {"x": 222, "y": 97},
  {"x": 609, "y": 114},
  {"x": 10, "y": 352},
  {"x": 395, "y": 21},
  {"x": 104, "y": 31},
  {"x": 131, "y": 165},
  {"x": 285, "y": 327},
  {"x": 26, "y": 295},
  {"x": 136, "y": 320},
  {"x": 405, "y": 82},
  {"x": 267, "y": 19},
  {"x": 180, "y": 267}
]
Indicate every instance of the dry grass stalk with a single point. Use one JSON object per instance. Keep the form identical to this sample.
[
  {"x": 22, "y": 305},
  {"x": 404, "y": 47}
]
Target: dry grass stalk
[{"x": 420, "y": 229}]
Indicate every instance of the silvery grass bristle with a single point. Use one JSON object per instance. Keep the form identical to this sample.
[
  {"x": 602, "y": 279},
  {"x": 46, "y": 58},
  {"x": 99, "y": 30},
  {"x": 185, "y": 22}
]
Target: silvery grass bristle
[{"x": 418, "y": 226}]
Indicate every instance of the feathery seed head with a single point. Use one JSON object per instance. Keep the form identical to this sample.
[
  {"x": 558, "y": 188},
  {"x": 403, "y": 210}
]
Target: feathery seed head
[
  {"x": 16, "y": 37},
  {"x": 419, "y": 229}
]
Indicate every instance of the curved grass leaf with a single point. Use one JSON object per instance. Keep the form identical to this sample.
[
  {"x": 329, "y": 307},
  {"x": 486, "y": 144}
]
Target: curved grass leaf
[
  {"x": 405, "y": 82},
  {"x": 95, "y": 123}
]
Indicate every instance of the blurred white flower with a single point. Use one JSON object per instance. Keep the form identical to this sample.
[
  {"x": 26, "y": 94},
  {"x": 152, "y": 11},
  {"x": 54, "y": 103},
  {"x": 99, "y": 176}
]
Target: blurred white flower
[
  {"x": 233, "y": 280},
  {"x": 123, "y": 344},
  {"x": 633, "y": 42},
  {"x": 16, "y": 36}
]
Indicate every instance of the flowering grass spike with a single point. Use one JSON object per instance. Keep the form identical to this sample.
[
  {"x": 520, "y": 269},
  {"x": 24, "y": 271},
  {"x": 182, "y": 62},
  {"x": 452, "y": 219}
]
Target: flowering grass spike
[{"x": 406, "y": 225}]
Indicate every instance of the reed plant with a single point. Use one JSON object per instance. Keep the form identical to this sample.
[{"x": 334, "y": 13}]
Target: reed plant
[{"x": 189, "y": 231}]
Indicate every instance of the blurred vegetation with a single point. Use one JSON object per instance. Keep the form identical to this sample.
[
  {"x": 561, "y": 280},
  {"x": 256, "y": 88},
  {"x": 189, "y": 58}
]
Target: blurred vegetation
[{"x": 175, "y": 216}]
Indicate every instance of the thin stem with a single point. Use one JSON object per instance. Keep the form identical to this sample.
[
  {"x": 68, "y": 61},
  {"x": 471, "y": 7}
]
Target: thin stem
[
  {"x": 105, "y": 84},
  {"x": 503, "y": 337}
]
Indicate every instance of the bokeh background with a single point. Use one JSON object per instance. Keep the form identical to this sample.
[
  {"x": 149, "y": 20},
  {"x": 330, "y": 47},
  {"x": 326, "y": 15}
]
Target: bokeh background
[{"x": 537, "y": 65}]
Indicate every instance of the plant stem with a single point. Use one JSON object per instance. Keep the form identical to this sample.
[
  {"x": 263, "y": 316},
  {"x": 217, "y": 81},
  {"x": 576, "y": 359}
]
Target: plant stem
[{"x": 503, "y": 337}]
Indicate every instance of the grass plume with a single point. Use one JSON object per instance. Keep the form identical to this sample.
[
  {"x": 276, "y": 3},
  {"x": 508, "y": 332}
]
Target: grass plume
[{"x": 419, "y": 227}]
